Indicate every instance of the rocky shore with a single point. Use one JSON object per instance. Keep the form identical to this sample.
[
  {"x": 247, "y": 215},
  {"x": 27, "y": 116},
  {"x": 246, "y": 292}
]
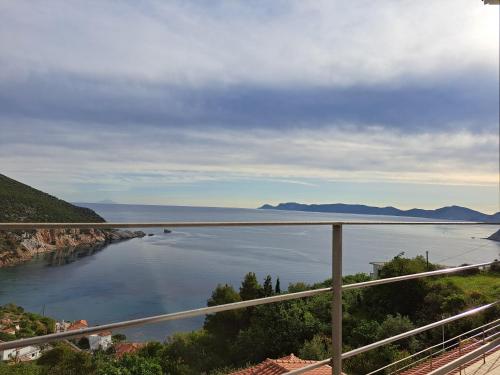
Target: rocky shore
[
  {"x": 495, "y": 236},
  {"x": 20, "y": 246}
]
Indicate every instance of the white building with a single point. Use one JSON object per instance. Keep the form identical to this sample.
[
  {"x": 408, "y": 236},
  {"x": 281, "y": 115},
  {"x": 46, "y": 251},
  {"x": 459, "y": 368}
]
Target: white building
[
  {"x": 377, "y": 266},
  {"x": 102, "y": 341},
  {"x": 28, "y": 353}
]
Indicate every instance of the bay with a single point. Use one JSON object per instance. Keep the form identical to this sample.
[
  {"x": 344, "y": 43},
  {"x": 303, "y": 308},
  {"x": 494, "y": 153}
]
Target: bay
[{"x": 169, "y": 272}]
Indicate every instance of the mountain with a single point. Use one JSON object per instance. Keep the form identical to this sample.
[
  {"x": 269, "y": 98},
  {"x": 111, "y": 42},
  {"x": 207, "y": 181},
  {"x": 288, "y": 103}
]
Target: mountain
[
  {"x": 443, "y": 213},
  {"x": 22, "y": 203}
]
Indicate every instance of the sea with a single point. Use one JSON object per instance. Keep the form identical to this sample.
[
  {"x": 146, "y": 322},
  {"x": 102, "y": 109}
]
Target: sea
[{"x": 168, "y": 272}]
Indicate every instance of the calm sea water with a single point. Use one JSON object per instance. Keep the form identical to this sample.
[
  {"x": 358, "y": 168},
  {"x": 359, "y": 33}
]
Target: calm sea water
[{"x": 177, "y": 271}]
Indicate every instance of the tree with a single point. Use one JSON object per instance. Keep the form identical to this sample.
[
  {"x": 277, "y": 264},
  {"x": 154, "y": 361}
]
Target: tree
[
  {"x": 318, "y": 348},
  {"x": 385, "y": 300},
  {"x": 119, "y": 337},
  {"x": 268, "y": 286},
  {"x": 277, "y": 288},
  {"x": 224, "y": 325},
  {"x": 250, "y": 287},
  {"x": 140, "y": 366},
  {"x": 64, "y": 361}
]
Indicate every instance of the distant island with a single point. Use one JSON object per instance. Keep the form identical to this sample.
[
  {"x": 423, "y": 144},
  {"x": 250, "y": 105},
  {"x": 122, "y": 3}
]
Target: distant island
[
  {"x": 443, "y": 213},
  {"x": 20, "y": 203}
]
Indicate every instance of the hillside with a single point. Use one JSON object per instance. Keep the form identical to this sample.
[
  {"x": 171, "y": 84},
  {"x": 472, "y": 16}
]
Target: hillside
[
  {"x": 22, "y": 203},
  {"x": 443, "y": 213}
]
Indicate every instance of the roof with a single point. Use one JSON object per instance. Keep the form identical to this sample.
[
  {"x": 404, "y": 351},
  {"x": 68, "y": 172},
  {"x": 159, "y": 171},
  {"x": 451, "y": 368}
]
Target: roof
[
  {"x": 122, "y": 348},
  {"x": 78, "y": 324},
  {"x": 282, "y": 366},
  {"x": 105, "y": 333}
]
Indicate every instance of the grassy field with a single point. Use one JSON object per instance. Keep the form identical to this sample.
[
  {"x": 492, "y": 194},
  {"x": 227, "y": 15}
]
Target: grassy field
[{"x": 485, "y": 283}]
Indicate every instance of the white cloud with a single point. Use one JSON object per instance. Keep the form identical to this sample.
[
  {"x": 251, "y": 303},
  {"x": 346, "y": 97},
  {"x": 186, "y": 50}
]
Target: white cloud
[
  {"x": 73, "y": 154},
  {"x": 319, "y": 42}
]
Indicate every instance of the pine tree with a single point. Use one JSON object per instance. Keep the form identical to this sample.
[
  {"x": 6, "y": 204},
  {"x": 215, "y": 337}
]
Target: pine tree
[
  {"x": 250, "y": 287},
  {"x": 277, "y": 288},
  {"x": 268, "y": 286}
]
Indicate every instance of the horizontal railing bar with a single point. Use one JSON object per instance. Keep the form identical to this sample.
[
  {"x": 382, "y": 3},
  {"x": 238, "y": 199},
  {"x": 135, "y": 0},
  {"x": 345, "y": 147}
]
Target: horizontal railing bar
[
  {"x": 416, "y": 331},
  {"x": 466, "y": 358},
  {"x": 438, "y": 345},
  {"x": 160, "y": 318},
  {"x": 309, "y": 367},
  {"x": 27, "y": 226},
  {"x": 388, "y": 280},
  {"x": 220, "y": 308},
  {"x": 442, "y": 350},
  {"x": 394, "y": 338}
]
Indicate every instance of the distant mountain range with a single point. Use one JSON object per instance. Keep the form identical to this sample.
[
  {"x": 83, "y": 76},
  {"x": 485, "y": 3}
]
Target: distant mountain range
[{"x": 443, "y": 213}]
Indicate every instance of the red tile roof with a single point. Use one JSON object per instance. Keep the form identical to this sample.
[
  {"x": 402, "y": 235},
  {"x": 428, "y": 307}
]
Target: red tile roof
[
  {"x": 78, "y": 324},
  {"x": 122, "y": 348},
  {"x": 105, "y": 333},
  {"x": 282, "y": 366}
]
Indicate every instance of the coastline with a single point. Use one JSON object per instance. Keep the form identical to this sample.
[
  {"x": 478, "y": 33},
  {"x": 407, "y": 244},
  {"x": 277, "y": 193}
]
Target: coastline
[{"x": 21, "y": 246}]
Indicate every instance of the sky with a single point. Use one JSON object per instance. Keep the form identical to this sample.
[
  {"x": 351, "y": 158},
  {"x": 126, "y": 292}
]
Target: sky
[{"x": 241, "y": 103}]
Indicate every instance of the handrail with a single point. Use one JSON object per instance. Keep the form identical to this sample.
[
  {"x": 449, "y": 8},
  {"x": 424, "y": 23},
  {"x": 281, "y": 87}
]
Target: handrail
[
  {"x": 220, "y": 308},
  {"x": 159, "y": 318},
  {"x": 388, "y": 340},
  {"x": 435, "y": 346},
  {"x": 434, "y": 353},
  {"x": 388, "y": 280},
  {"x": 337, "y": 288},
  {"x": 177, "y": 224},
  {"x": 416, "y": 330},
  {"x": 466, "y": 358}
]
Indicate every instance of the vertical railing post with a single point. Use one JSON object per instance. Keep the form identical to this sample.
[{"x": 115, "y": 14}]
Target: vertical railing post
[{"x": 336, "y": 299}]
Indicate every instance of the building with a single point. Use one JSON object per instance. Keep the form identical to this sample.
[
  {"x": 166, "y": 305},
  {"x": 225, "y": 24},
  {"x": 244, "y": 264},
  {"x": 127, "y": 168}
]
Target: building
[
  {"x": 282, "y": 366},
  {"x": 28, "y": 353},
  {"x": 123, "y": 348},
  {"x": 100, "y": 341},
  {"x": 78, "y": 324},
  {"x": 377, "y": 266}
]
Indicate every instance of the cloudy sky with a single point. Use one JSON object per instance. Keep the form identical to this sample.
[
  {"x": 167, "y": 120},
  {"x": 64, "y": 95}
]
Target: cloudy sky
[{"x": 232, "y": 103}]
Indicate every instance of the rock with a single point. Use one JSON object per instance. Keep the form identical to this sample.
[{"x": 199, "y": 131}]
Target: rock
[
  {"x": 495, "y": 236},
  {"x": 17, "y": 247},
  {"x": 150, "y": 234}
]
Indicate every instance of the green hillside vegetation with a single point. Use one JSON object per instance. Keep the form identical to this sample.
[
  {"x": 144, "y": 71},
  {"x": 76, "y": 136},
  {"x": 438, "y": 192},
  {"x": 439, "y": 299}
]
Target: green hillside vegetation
[
  {"x": 30, "y": 324},
  {"x": 22, "y": 203},
  {"x": 236, "y": 339}
]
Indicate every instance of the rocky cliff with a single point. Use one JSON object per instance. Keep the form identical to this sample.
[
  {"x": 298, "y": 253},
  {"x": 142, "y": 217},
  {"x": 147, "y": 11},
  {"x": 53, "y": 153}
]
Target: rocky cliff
[{"x": 17, "y": 247}]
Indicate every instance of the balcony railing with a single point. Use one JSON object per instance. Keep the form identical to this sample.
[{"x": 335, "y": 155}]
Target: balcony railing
[{"x": 336, "y": 289}]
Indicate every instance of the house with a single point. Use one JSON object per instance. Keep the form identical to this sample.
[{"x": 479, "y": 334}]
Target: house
[
  {"x": 123, "y": 348},
  {"x": 100, "y": 341},
  {"x": 28, "y": 353},
  {"x": 282, "y": 366},
  {"x": 78, "y": 324},
  {"x": 377, "y": 266},
  {"x": 62, "y": 326}
]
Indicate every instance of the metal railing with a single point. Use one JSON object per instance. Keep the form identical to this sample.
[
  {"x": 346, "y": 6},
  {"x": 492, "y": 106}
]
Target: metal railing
[
  {"x": 336, "y": 288},
  {"x": 454, "y": 343}
]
